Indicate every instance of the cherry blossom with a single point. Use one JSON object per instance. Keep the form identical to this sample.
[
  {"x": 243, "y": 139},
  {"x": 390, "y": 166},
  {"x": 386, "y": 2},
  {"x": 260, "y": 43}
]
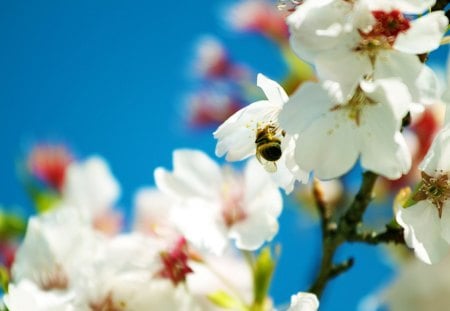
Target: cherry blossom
[
  {"x": 238, "y": 135},
  {"x": 216, "y": 204},
  {"x": 370, "y": 39},
  {"x": 90, "y": 187},
  {"x": 47, "y": 255},
  {"x": 427, "y": 222},
  {"x": 333, "y": 135}
]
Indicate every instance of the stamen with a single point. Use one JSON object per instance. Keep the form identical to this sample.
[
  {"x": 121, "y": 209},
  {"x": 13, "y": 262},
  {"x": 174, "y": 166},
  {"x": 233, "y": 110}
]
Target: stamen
[{"x": 435, "y": 189}]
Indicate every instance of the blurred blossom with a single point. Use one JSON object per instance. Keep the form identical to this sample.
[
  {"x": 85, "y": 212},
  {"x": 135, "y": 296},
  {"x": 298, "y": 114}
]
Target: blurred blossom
[
  {"x": 49, "y": 163},
  {"x": 417, "y": 287},
  {"x": 216, "y": 274},
  {"x": 26, "y": 296},
  {"x": 152, "y": 213},
  {"x": 175, "y": 262},
  {"x": 223, "y": 83},
  {"x": 90, "y": 187},
  {"x": 304, "y": 302},
  {"x": 210, "y": 107},
  {"x": 53, "y": 248},
  {"x": 217, "y": 204},
  {"x": 259, "y": 16},
  {"x": 332, "y": 192},
  {"x": 212, "y": 59}
]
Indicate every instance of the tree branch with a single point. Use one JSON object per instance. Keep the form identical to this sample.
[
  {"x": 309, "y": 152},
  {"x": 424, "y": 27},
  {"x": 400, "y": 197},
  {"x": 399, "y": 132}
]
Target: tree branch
[{"x": 334, "y": 236}]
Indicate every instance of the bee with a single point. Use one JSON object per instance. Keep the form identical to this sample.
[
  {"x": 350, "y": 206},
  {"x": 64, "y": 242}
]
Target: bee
[{"x": 268, "y": 147}]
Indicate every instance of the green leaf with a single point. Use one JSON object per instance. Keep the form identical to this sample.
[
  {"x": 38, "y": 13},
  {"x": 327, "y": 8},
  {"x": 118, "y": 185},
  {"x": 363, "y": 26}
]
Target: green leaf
[
  {"x": 4, "y": 279},
  {"x": 45, "y": 201},
  {"x": 11, "y": 225},
  {"x": 223, "y": 300},
  {"x": 262, "y": 276}
]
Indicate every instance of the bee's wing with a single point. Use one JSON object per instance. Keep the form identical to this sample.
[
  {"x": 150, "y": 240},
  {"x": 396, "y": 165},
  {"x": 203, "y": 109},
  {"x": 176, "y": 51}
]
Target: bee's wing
[{"x": 269, "y": 166}]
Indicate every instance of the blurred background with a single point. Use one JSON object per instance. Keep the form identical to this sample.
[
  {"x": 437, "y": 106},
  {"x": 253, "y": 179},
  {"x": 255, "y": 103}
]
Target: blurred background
[{"x": 134, "y": 80}]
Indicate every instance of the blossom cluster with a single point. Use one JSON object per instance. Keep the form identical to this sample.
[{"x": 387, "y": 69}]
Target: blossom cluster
[
  {"x": 199, "y": 239},
  {"x": 178, "y": 255},
  {"x": 370, "y": 79},
  {"x": 370, "y": 62}
]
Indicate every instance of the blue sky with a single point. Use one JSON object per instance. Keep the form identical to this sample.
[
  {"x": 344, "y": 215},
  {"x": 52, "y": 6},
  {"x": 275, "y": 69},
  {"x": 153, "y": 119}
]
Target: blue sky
[{"x": 108, "y": 78}]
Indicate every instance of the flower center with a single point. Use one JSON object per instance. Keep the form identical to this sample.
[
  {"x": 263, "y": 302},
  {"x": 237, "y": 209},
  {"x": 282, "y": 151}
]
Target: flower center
[
  {"x": 382, "y": 35},
  {"x": 355, "y": 105},
  {"x": 436, "y": 189},
  {"x": 55, "y": 279},
  {"x": 175, "y": 262},
  {"x": 232, "y": 197},
  {"x": 107, "y": 304}
]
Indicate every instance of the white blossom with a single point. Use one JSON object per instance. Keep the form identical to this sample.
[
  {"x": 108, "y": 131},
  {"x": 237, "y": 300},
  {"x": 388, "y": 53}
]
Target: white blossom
[
  {"x": 349, "y": 40},
  {"x": 152, "y": 213},
  {"x": 90, "y": 187},
  {"x": 218, "y": 204},
  {"x": 419, "y": 287},
  {"x": 332, "y": 135},
  {"x": 54, "y": 246},
  {"x": 427, "y": 223},
  {"x": 237, "y": 135}
]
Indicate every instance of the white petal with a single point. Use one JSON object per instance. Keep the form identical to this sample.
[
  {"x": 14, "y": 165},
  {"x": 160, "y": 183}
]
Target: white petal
[
  {"x": 414, "y": 6},
  {"x": 90, "y": 185},
  {"x": 308, "y": 103},
  {"x": 304, "y": 302},
  {"x": 26, "y": 296},
  {"x": 236, "y": 136},
  {"x": 406, "y": 6},
  {"x": 287, "y": 170},
  {"x": 421, "y": 82},
  {"x": 391, "y": 92},
  {"x": 445, "y": 222},
  {"x": 260, "y": 192},
  {"x": 438, "y": 156},
  {"x": 329, "y": 146},
  {"x": 251, "y": 233},
  {"x": 317, "y": 26},
  {"x": 344, "y": 67},
  {"x": 273, "y": 91},
  {"x": 384, "y": 149},
  {"x": 194, "y": 174},
  {"x": 198, "y": 221},
  {"x": 422, "y": 231},
  {"x": 424, "y": 35}
]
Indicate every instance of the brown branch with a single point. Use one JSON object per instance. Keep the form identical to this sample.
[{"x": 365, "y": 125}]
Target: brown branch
[
  {"x": 334, "y": 236},
  {"x": 390, "y": 235}
]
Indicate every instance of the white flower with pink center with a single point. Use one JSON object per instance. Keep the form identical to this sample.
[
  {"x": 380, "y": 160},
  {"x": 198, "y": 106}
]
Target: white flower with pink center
[
  {"x": 350, "y": 40},
  {"x": 217, "y": 204},
  {"x": 54, "y": 246}
]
